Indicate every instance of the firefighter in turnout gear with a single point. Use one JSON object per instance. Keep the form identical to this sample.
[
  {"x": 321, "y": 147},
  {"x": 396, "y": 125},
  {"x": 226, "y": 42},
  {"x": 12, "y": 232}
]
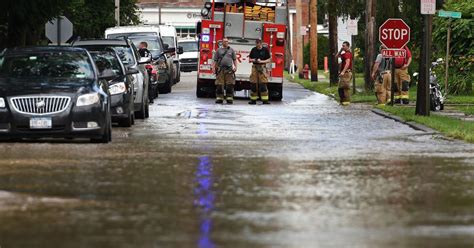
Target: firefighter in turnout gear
[
  {"x": 259, "y": 56},
  {"x": 402, "y": 78},
  {"x": 381, "y": 74},
  {"x": 225, "y": 66},
  {"x": 345, "y": 75}
]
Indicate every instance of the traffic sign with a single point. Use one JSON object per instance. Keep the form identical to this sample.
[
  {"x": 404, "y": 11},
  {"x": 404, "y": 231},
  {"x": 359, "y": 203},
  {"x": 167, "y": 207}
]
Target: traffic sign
[
  {"x": 352, "y": 26},
  {"x": 394, "y": 53},
  {"x": 59, "y": 30},
  {"x": 428, "y": 7},
  {"x": 394, "y": 33},
  {"x": 450, "y": 14}
]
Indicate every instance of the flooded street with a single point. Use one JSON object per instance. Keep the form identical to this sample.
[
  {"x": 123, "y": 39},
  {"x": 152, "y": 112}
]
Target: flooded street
[{"x": 301, "y": 173}]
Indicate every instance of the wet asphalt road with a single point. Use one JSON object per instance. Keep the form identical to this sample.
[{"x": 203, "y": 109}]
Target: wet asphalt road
[{"x": 301, "y": 173}]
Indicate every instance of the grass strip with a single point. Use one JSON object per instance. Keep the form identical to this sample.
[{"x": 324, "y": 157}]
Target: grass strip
[{"x": 451, "y": 127}]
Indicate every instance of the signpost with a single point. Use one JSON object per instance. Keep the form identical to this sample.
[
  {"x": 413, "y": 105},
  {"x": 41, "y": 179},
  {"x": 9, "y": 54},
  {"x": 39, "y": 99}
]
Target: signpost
[
  {"x": 450, "y": 15},
  {"x": 394, "y": 34},
  {"x": 59, "y": 30},
  {"x": 428, "y": 7}
]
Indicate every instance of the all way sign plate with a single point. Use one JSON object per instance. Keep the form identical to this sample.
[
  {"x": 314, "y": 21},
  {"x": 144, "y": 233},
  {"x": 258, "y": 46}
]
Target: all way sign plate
[{"x": 394, "y": 53}]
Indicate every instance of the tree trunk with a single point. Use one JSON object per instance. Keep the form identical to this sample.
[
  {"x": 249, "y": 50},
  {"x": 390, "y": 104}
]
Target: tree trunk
[
  {"x": 369, "y": 43},
  {"x": 333, "y": 65},
  {"x": 313, "y": 11}
]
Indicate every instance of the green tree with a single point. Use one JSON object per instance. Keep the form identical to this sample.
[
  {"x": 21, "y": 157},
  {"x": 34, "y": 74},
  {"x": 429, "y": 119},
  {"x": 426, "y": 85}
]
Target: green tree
[
  {"x": 22, "y": 22},
  {"x": 462, "y": 46}
]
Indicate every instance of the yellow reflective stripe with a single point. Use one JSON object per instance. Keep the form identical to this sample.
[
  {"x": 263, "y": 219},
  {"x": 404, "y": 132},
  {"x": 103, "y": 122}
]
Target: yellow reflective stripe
[
  {"x": 346, "y": 103},
  {"x": 404, "y": 97},
  {"x": 264, "y": 98},
  {"x": 219, "y": 98},
  {"x": 229, "y": 98},
  {"x": 397, "y": 97},
  {"x": 255, "y": 98}
]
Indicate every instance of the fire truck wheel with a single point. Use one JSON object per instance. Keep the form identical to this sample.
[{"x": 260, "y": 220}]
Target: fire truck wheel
[{"x": 275, "y": 92}]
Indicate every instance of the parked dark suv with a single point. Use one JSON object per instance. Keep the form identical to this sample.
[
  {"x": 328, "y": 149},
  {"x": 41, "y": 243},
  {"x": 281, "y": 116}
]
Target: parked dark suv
[
  {"x": 120, "y": 81},
  {"x": 52, "y": 92},
  {"x": 131, "y": 59}
]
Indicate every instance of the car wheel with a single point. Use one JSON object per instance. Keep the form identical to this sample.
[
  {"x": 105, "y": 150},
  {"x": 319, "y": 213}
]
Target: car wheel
[
  {"x": 141, "y": 113},
  {"x": 126, "y": 122},
  {"x": 147, "y": 110},
  {"x": 276, "y": 92},
  {"x": 107, "y": 135}
]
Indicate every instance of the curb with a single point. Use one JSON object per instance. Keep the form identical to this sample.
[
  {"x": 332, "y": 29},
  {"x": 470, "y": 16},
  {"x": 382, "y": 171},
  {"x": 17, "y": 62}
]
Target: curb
[{"x": 411, "y": 124}]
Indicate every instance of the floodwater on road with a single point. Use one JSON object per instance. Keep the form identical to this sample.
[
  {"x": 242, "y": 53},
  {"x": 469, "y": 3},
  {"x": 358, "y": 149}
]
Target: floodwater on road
[{"x": 301, "y": 173}]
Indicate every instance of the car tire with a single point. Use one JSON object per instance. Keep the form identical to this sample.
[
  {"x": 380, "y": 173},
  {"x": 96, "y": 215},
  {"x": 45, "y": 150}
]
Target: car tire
[
  {"x": 147, "y": 109},
  {"x": 276, "y": 92},
  {"x": 107, "y": 135},
  {"x": 126, "y": 122},
  {"x": 141, "y": 113}
]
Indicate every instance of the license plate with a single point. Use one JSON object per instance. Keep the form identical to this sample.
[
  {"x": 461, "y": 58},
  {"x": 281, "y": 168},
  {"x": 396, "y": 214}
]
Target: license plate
[{"x": 41, "y": 123}]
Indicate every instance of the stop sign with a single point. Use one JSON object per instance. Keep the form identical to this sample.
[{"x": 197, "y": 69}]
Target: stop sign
[{"x": 394, "y": 33}]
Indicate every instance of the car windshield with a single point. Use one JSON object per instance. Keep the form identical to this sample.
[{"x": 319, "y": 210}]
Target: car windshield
[
  {"x": 168, "y": 40},
  {"x": 153, "y": 43},
  {"x": 189, "y": 46},
  {"x": 55, "y": 64},
  {"x": 107, "y": 63},
  {"x": 124, "y": 35}
]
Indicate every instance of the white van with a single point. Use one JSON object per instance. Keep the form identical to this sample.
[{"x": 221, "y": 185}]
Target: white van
[
  {"x": 189, "y": 58},
  {"x": 122, "y": 31},
  {"x": 169, "y": 37}
]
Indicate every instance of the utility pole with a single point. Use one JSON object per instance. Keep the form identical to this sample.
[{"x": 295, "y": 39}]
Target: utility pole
[
  {"x": 288, "y": 47},
  {"x": 313, "y": 21},
  {"x": 423, "y": 90},
  {"x": 299, "y": 38},
  {"x": 333, "y": 49},
  {"x": 369, "y": 42},
  {"x": 117, "y": 12}
]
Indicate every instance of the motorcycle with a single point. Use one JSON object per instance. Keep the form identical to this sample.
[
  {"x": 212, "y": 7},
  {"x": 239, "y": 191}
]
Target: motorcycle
[{"x": 436, "y": 97}]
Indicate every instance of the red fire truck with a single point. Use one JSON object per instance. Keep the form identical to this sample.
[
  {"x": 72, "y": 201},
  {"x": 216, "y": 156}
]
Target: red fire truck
[{"x": 242, "y": 22}]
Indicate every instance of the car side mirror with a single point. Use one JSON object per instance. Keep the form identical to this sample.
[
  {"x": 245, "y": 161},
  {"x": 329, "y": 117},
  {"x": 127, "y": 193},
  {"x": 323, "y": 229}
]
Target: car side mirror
[
  {"x": 180, "y": 50},
  {"x": 145, "y": 60},
  {"x": 170, "y": 50},
  {"x": 131, "y": 71}
]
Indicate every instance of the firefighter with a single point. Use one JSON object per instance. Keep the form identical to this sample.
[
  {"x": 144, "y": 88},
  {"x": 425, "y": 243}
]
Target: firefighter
[
  {"x": 345, "y": 75},
  {"x": 381, "y": 74},
  {"x": 259, "y": 56},
  {"x": 402, "y": 78},
  {"x": 225, "y": 66}
]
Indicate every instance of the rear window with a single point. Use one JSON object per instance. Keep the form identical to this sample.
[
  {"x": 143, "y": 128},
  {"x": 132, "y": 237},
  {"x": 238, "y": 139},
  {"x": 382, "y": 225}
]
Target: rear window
[
  {"x": 70, "y": 65},
  {"x": 107, "y": 63},
  {"x": 125, "y": 53}
]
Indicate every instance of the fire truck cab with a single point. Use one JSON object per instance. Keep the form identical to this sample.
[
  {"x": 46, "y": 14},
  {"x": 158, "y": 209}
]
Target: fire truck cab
[{"x": 242, "y": 22}]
